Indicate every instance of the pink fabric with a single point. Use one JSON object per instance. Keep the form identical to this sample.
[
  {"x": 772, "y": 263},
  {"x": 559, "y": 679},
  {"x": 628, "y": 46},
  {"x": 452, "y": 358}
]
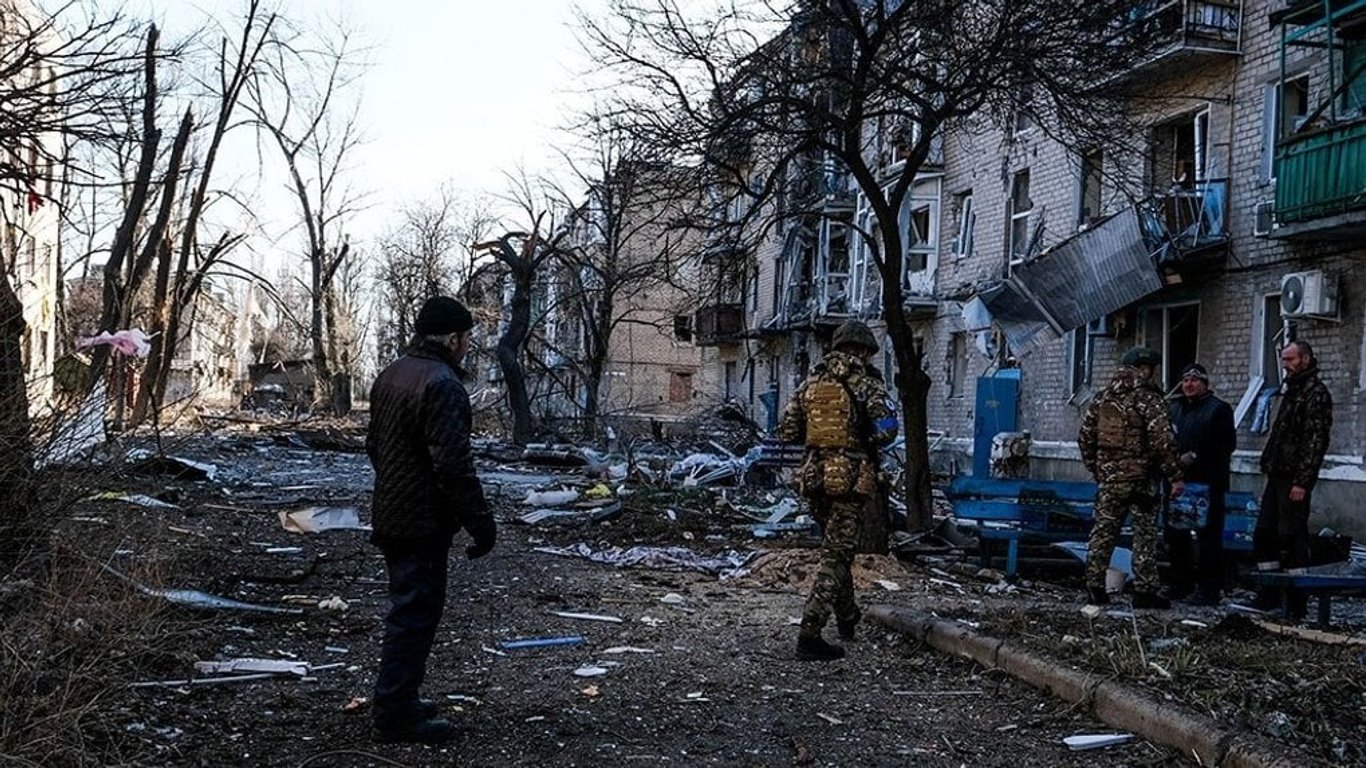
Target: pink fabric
[{"x": 132, "y": 342}]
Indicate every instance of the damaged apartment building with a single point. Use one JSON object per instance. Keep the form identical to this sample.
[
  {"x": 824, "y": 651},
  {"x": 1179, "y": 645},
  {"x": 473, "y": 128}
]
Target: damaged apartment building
[
  {"x": 614, "y": 303},
  {"x": 1030, "y": 269},
  {"x": 31, "y": 219}
]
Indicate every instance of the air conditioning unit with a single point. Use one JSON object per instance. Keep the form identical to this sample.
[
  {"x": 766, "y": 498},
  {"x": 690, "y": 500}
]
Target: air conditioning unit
[
  {"x": 1265, "y": 219},
  {"x": 1309, "y": 294}
]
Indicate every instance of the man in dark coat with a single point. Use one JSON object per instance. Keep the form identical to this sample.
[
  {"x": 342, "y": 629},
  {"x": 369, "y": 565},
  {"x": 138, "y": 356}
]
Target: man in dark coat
[
  {"x": 1291, "y": 461},
  {"x": 1205, "y": 440},
  {"x": 425, "y": 491}
]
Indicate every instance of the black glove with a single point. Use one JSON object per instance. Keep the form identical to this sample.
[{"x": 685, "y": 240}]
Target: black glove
[{"x": 484, "y": 531}]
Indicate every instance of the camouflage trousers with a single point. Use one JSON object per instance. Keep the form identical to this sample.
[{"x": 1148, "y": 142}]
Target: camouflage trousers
[
  {"x": 832, "y": 591},
  {"x": 1114, "y": 502}
]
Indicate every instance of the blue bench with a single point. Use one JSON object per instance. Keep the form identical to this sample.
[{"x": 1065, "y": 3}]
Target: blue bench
[{"x": 1057, "y": 510}]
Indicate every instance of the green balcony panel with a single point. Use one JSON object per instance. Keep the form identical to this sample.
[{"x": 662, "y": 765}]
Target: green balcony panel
[{"x": 1321, "y": 173}]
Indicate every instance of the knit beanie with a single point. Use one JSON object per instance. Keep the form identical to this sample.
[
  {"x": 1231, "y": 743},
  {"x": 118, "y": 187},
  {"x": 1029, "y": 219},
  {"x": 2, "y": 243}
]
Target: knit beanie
[
  {"x": 1196, "y": 371},
  {"x": 441, "y": 315}
]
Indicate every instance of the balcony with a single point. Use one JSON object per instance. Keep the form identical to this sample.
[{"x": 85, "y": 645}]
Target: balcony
[
  {"x": 1189, "y": 227},
  {"x": 718, "y": 324},
  {"x": 824, "y": 188},
  {"x": 1321, "y": 184},
  {"x": 1182, "y": 32}
]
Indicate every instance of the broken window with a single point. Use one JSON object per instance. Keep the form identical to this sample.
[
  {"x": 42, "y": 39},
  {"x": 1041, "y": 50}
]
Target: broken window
[
  {"x": 1271, "y": 337},
  {"x": 1089, "y": 197},
  {"x": 1173, "y": 330},
  {"x": 1354, "y": 75},
  {"x": 1082, "y": 348},
  {"x": 967, "y": 220},
  {"x": 1284, "y": 110},
  {"x": 957, "y": 364},
  {"x": 1180, "y": 151},
  {"x": 779, "y": 283},
  {"x": 728, "y": 379},
  {"x": 1024, "y": 110},
  {"x": 1020, "y": 209},
  {"x": 920, "y": 236},
  {"x": 683, "y": 328},
  {"x": 680, "y": 386}
]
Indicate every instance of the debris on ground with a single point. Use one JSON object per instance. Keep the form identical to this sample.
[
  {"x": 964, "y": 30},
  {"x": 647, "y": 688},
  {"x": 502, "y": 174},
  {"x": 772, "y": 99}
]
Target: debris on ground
[{"x": 662, "y": 558}]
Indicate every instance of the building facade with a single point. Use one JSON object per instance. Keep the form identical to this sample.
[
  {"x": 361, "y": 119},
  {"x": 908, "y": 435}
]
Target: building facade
[{"x": 1231, "y": 225}]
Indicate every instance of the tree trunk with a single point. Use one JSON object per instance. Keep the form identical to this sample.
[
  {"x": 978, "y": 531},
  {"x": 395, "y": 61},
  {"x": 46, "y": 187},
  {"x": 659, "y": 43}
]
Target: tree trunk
[
  {"x": 510, "y": 356},
  {"x": 163, "y": 346},
  {"x": 322, "y": 372},
  {"x": 874, "y": 529},
  {"x": 18, "y": 534},
  {"x": 915, "y": 405}
]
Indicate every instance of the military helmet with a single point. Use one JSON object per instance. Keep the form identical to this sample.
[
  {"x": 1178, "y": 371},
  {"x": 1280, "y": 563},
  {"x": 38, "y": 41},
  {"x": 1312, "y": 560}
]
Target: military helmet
[
  {"x": 854, "y": 333},
  {"x": 1141, "y": 356}
]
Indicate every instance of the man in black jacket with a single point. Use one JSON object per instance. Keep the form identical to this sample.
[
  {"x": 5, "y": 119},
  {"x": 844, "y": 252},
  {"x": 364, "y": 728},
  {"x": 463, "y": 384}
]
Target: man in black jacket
[
  {"x": 1205, "y": 440},
  {"x": 1291, "y": 461},
  {"x": 425, "y": 491}
]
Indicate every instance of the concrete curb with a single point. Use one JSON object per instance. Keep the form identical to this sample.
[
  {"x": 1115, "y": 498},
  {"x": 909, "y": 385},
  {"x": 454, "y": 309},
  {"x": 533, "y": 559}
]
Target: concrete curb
[{"x": 1116, "y": 704}]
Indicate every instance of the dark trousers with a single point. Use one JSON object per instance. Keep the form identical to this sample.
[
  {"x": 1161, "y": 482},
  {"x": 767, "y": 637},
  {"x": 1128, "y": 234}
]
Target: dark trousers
[
  {"x": 1282, "y": 533},
  {"x": 417, "y": 596},
  {"x": 1197, "y": 557}
]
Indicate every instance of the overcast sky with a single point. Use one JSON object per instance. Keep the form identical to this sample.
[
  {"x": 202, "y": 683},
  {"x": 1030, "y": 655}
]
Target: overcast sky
[{"x": 458, "y": 91}]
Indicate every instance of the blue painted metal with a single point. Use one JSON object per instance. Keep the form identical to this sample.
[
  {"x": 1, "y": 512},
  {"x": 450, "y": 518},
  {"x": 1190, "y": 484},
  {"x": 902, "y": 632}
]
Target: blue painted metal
[
  {"x": 998, "y": 410},
  {"x": 1058, "y": 510}
]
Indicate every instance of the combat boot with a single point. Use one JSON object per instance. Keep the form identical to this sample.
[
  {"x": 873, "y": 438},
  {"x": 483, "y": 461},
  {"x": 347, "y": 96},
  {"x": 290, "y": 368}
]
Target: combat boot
[
  {"x": 1098, "y": 596},
  {"x": 1151, "y": 600},
  {"x": 816, "y": 649},
  {"x": 847, "y": 627}
]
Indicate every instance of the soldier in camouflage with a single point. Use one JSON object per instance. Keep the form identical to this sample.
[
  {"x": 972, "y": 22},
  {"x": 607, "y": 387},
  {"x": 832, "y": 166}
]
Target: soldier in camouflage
[
  {"x": 1127, "y": 443},
  {"x": 843, "y": 416},
  {"x": 1291, "y": 461}
]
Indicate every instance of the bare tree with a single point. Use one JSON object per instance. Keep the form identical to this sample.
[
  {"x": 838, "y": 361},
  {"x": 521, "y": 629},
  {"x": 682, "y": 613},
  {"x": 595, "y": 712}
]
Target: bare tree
[
  {"x": 63, "y": 81},
  {"x": 525, "y": 255},
  {"x": 299, "y": 101},
  {"x": 178, "y": 285},
  {"x": 628, "y": 239},
  {"x": 757, "y": 90},
  {"x": 417, "y": 260}
]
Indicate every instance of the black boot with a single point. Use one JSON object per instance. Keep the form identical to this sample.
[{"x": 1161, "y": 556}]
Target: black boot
[
  {"x": 1098, "y": 596},
  {"x": 1151, "y": 600},
  {"x": 847, "y": 627},
  {"x": 435, "y": 730},
  {"x": 816, "y": 649}
]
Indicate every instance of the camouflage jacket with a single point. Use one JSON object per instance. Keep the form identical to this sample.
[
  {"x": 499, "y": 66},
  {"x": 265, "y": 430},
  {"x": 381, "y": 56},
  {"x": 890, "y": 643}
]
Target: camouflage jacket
[
  {"x": 867, "y": 391},
  {"x": 1126, "y": 434},
  {"x": 1299, "y": 435}
]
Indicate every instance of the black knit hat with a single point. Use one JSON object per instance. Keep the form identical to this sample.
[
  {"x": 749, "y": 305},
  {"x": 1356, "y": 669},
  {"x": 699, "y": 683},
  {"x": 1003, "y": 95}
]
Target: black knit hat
[
  {"x": 1195, "y": 371},
  {"x": 442, "y": 315}
]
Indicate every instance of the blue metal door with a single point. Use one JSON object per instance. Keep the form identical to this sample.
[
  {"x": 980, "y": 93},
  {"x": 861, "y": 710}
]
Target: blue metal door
[{"x": 998, "y": 410}]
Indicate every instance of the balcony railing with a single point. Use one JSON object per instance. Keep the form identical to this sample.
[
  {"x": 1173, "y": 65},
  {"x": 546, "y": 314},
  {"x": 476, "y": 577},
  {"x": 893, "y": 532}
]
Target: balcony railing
[
  {"x": 1321, "y": 174},
  {"x": 1181, "y": 28},
  {"x": 718, "y": 324}
]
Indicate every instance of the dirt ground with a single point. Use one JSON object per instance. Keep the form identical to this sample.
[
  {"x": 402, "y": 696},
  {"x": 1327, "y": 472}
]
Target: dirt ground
[{"x": 698, "y": 670}]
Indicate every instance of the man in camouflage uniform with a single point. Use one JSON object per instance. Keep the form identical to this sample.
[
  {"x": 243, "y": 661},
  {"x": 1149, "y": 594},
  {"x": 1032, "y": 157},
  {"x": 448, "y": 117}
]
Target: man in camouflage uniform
[
  {"x": 1291, "y": 461},
  {"x": 1126, "y": 442},
  {"x": 843, "y": 416}
]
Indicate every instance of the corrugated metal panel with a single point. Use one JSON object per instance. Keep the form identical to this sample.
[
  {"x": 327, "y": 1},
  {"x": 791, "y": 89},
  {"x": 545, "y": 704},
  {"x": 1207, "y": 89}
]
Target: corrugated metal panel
[{"x": 1084, "y": 278}]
